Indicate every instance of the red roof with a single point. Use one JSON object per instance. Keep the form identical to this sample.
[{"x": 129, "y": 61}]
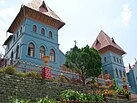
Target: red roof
[
  {"x": 40, "y": 6},
  {"x": 103, "y": 41},
  {"x": 39, "y": 11}
]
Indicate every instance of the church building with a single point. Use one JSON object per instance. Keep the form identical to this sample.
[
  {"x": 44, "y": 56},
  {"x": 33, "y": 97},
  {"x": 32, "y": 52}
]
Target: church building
[
  {"x": 34, "y": 35},
  {"x": 112, "y": 60}
]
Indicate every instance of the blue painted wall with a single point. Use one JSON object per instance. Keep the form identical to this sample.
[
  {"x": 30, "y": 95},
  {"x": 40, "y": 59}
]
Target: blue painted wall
[
  {"x": 132, "y": 78},
  {"x": 27, "y": 35},
  {"x": 110, "y": 65}
]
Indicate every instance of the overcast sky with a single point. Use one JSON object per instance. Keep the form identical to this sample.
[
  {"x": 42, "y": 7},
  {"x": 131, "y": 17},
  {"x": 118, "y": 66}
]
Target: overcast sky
[{"x": 84, "y": 20}]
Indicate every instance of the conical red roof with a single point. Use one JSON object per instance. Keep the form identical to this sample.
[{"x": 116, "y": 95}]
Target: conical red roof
[
  {"x": 103, "y": 41},
  {"x": 40, "y": 6},
  {"x": 39, "y": 11}
]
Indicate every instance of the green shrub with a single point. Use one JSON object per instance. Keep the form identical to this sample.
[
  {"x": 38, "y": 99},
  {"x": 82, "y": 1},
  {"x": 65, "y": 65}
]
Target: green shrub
[
  {"x": 69, "y": 95},
  {"x": 1, "y": 70},
  {"x": 99, "y": 98},
  {"x": 20, "y": 74},
  {"x": 19, "y": 101},
  {"x": 10, "y": 70},
  {"x": 33, "y": 74},
  {"x": 39, "y": 100},
  {"x": 38, "y": 76},
  {"x": 45, "y": 100}
]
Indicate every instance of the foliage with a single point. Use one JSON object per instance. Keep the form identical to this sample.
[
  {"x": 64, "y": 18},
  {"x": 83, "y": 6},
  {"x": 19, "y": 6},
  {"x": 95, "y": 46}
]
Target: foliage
[
  {"x": 12, "y": 71},
  {"x": 1, "y": 70},
  {"x": 122, "y": 91},
  {"x": 38, "y": 100},
  {"x": 20, "y": 74},
  {"x": 86, "y": 61},
  {"x": 9, "y": 70},
  {"x": 63, "y": 78},
  {"x": 45, "y": 100},
  {"x": 33, "y": 74},
  {"x": 69, "y": 95},
  {"x": 19, "y": 101}
]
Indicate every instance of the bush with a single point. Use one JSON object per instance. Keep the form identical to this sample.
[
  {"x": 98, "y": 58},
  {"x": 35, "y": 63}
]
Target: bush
[
  {"x": 10, "y": 70},
  {"x": 19, "y": 101},
  {"x": 20, "y": 74},
  {"x": 39, "y": 100},
  {"x": 69, "y": 95},
  {"x": 45, "y": 100},
  {"x": 1, "y": 70},
  {"x": 33, "y": 74}
]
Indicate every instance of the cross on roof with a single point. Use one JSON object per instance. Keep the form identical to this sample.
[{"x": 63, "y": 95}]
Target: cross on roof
[{"x": 75, "y": 42}]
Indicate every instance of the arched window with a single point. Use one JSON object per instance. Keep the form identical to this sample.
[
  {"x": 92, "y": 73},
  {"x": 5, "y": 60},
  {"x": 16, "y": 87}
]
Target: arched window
[
  {"x": 105, "y": 72},
  {"x": 116, "y": 72},
  {"x": 31, "y": 49},
  {"x": 105, "y": 59},
  {"x": 52, "y": 55},
  {"x": 34, "y": 28},
  {"x": 13, "y": 38},
  {"x": 11, "y": 57},
  {"x": 117, "y": 60},
  {"x": 50, "y": 35},
  {"x": 124, "y": 74},
  {"x": 120, "y": 73},
  {"x": 42, "y": 51},
  {"x": 20, "y": 30},
  {"x": 17, "y": 34},
  {"x": 114, "y": 59},
  {"x": 17, "y": 52},
  {"x": 43, "y": 31}
]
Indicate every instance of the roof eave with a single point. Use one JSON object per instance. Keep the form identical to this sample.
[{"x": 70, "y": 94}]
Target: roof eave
[
  {"x": 7, "y": 40},
  {"x": 12, "y": 24}
]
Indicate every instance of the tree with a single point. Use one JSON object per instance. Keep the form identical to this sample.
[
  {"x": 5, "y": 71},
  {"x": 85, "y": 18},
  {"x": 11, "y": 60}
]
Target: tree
[{"x": 85, "y": 60}]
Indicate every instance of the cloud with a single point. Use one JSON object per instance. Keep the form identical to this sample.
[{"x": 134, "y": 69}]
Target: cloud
[
  {"x": 7, "y": 13},
  {"x": 126, "y": 14},
  {"x": 6, "y": 17},
  {"x": 2, "y": 2}
]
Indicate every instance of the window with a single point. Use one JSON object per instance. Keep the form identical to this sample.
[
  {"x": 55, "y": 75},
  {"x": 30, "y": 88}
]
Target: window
[
  {"x": 17, "y": 34},
  {"x": 42, "y": 51},
  {"x": 117, "y": 60},
  {"x": 14, "y": 38},
  {"x": 105, "y": 72},
  {"x": 105, "y": 59},
  {"x": 20, "y": 30},
  {"x": 114, "y": 59},
  {"x": 120, "y": 61},
  {"x": 120, "y": 73},
  {"x": 124, "y": 74},
  {"x": 116, "y": 72},
  {"x": 17, "y": 52},
  {"x": 52, "y": 55},
  {"x": 34, "y": 28},
  {"x": 50, "y": 35},
  {"x": 31, "y": 49},
  {"x": 43, "y": 31},
  {"x": 11, "y": 57}
]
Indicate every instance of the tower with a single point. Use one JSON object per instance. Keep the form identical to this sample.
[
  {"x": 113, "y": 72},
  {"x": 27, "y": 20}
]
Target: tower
[
  {"x": 34, "y": 35},
  {"x": 111, "y": 53}
]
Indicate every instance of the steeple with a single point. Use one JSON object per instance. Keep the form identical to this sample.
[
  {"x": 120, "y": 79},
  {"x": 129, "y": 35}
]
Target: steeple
[{"x": 104, "y": 43}]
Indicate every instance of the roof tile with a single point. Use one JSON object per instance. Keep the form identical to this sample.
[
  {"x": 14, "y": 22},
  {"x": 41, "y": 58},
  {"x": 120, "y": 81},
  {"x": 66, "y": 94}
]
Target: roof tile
[{"x": 103, "y": 40}]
